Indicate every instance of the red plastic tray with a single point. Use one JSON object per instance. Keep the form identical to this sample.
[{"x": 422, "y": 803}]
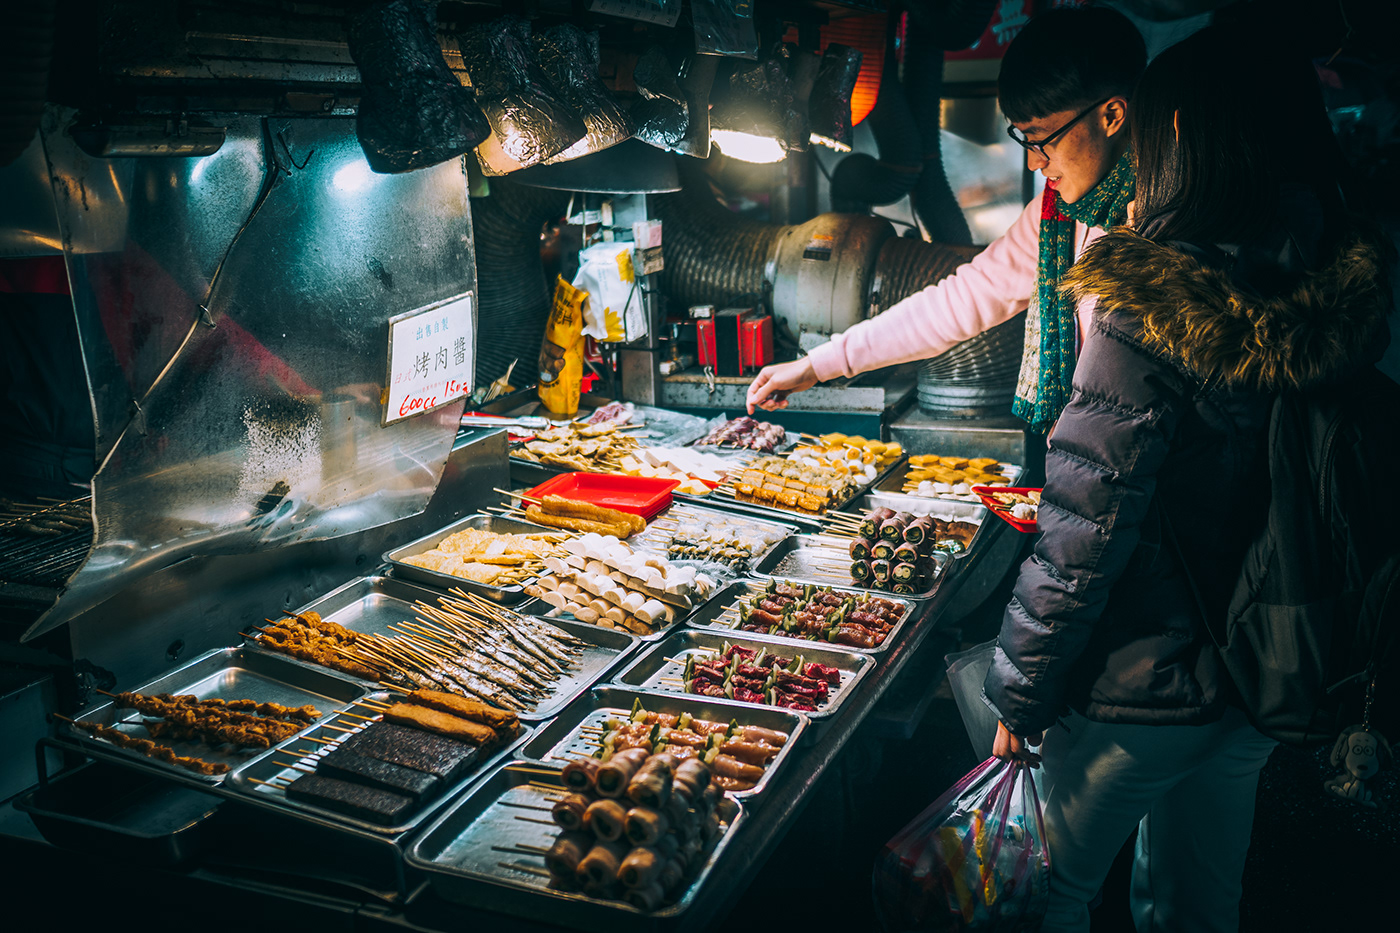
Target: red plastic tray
[
  {"x": 996, "y": 508},
  {"x": 636, "y": 494}
]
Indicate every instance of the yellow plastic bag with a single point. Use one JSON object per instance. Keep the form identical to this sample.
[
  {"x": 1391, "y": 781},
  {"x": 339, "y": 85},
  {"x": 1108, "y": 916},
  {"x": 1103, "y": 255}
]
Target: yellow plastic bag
[{"x": 561, "y": 352}]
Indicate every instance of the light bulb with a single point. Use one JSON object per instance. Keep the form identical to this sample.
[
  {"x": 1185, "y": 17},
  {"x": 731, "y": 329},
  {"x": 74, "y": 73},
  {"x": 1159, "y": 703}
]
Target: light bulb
[{"x": 747, "y": 147}]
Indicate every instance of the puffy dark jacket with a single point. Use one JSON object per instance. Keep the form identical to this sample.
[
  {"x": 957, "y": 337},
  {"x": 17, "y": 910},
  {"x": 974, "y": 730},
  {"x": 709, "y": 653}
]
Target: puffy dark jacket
[{"x": 1168, "y": 421}]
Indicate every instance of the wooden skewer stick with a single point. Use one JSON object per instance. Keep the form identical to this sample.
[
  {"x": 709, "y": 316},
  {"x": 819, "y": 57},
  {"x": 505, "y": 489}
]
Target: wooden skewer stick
[
  {"x": 516, "y": 495},
  {"x": 519, "y": 849},
  {"x": 268, "y": 783},
  {"x": 295, "y": 764},
  {"x": 531, "y": 819},
  {"x": 365, "y": 718},
  {"x": 552, "y": 788},
  {"x": 526, "y": 769},
  {"x": 528, "y": 869},
  {"x": 339, "y": 729},
  {"x": 524, "y": 806},
  {"x": 389, "y": 686}
]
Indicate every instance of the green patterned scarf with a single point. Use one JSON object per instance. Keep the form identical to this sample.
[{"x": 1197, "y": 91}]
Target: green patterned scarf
[{"x": 1047, "y": 362}]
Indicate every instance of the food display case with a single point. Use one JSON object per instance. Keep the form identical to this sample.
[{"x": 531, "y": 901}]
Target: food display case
[{"x": 281, "y": 317}]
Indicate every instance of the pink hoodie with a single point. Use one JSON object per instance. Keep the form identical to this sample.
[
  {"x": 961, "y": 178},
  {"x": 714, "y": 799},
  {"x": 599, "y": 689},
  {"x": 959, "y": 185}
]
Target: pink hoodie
[{"x": 994, "y": 287}]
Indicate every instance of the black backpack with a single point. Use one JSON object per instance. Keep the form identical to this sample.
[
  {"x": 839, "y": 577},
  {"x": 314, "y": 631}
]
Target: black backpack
[{"x": 1309, "y": 639}]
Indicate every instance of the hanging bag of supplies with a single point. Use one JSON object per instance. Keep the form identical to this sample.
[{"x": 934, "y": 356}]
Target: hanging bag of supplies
[{"x": 975, "y": 860}]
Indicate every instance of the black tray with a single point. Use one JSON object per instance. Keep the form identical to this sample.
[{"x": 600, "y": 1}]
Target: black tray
[{"x": 123, "y": 815}]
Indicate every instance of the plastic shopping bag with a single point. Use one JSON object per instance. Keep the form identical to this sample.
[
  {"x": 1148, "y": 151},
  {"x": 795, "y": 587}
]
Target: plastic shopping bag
[
  {"x": 966, "y": 672},
  {"x": 974, "y": 860}
]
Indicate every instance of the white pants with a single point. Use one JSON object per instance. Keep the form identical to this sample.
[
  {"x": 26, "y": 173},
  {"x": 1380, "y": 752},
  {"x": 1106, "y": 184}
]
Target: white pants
[{"x": 1190, "y": 792}]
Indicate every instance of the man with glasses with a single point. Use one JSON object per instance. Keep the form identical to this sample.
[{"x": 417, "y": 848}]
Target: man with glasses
[{"x": 1064, "y": 85}]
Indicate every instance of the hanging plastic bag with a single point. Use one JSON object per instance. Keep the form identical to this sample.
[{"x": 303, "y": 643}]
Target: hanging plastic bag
[
  {"x": 561, "y": 352},
  {"x": 966, "y": 672},
  {"x": 973, "y": 861},
  {"x": 613, "y": 312}
]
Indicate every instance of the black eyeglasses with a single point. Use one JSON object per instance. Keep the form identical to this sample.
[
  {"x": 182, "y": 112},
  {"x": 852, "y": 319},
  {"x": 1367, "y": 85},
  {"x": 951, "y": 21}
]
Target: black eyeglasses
[{"x": 1039, "y": 147}]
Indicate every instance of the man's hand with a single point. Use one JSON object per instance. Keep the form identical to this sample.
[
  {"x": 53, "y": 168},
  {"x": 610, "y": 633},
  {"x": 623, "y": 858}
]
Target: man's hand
[
  {"x": 775, "y": 383},
  {"x": 1008, "y": 747}
]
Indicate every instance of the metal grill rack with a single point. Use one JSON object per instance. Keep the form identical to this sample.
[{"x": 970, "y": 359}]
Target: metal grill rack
[{"x": 42, "y": 544}]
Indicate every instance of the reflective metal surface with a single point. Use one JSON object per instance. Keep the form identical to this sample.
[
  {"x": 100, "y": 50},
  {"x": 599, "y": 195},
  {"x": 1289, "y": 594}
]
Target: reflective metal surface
[
  {"x": 229, "y": 307},
  {"x": 203, "y": 603},
  {"x": 28, "y": 225}
]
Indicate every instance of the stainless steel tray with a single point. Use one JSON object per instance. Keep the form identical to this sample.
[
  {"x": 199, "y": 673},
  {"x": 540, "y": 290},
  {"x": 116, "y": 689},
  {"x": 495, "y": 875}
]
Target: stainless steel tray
[
  {"x": 727, "y": 500},
  {"x": 538, "y": 607},
  {"x": 372, "y": 604},
  {"x": 891, "y": 483},
  {"x": 655, "y": 667},
  {"x": 562, "y": 738},
  {"x": 825, "y": 559},
  {"x": 946, "y": 509},
  {"x": 224, "y": 673},
  {"x": 507, "y": 595},
  {"x": 120, "y": 814},
  {"x": 258, "y": 779},
  {"x": 710, "y": 615},
  {"x": 657, "y": 536},
  {"x": 469, "y": 857}
]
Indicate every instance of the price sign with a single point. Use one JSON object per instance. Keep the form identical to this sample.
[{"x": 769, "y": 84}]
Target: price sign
[{"x": 432, "y": 358}]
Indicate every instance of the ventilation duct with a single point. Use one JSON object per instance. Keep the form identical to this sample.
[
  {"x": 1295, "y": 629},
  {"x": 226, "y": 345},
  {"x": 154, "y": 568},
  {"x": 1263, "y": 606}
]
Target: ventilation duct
[{"x": 713, "y": 256}]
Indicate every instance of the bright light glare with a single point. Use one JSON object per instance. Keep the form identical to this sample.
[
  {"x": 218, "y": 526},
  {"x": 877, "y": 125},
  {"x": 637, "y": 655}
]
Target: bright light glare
[
  {"x": 829, "y": 143},
  {"x": 353, "y": 177},
  {"x": 748, "y": 147}
]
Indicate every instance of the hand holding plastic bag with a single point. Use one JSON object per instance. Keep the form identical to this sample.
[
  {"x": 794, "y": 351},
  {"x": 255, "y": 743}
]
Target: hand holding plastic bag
[{"x": 974, "y": 860}]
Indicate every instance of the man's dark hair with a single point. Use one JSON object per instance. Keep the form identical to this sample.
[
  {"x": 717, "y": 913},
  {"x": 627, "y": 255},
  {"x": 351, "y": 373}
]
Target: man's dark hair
[{"x": 1067, "y": 60}]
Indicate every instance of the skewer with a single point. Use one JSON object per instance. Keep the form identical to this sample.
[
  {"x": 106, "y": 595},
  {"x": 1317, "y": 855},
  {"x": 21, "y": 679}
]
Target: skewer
[
  {"x": 390, "y": 686},
  {"x": 268, "y": 783},
  {"x": 531, "y": 819},
  {"x": 526, "y": 769},
  {"x": 521, "y": 847},
  {"x": 528, "y": 869},
  {"x": 524, "y": 806},
  {"x": 516, "y": 495},
  {"x": 365, "y": 718},
  {"x": 374, "y": 704},
  {"x": 296, "y": 764},
  {"x": 541, "y": 785},
  {"x": 339, "y": 729}
]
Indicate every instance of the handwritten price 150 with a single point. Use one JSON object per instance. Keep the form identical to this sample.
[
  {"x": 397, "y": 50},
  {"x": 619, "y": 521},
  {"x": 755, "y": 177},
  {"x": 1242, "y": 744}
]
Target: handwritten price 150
[{"x": 423, "y": 401}]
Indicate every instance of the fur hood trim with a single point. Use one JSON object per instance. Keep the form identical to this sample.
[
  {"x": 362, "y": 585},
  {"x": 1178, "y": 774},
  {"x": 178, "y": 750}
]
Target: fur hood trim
[{"x": 1199, "y": 316}]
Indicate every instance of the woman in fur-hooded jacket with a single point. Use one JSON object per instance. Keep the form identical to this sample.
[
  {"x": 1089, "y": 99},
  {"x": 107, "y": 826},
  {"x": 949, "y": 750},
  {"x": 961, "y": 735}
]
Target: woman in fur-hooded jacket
[
  {"x": 1167, "y": 424},
  {"x": 1102, "y": 648}
]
